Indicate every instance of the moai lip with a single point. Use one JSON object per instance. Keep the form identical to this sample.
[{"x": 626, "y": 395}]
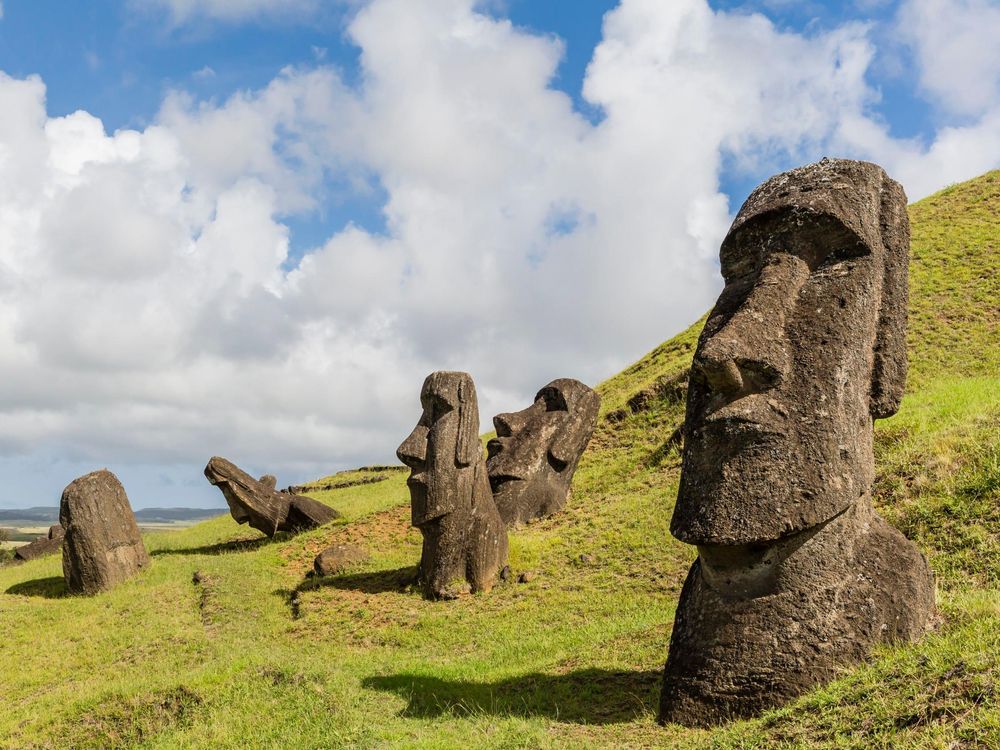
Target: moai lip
[
  {"x": 536, "y": 451},
  {"x": 257, "y": 503},
  {"x": 796, "y": 575},
  {"x": 450, "y": 499}
]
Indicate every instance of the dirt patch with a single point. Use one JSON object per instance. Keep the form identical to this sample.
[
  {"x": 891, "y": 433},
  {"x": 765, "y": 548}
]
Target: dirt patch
[
  {"x": 126, "y": 721},
  {"x": 206, "y": 587},
  {"x": 379, "y": 531}
]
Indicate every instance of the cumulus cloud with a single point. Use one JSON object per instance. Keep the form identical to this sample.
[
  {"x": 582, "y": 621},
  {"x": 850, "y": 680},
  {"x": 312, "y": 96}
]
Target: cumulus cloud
[
  {"x": 956, "y": 46},
  {"x": 148, "y": 318}
]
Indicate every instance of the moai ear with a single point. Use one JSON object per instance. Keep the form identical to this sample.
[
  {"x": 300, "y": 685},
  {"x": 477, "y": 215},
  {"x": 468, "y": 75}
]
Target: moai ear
[
  {"x": 573, "y": 435},
  {"x": 889, "y": 368},
  {"x": 467, "y": 448}
]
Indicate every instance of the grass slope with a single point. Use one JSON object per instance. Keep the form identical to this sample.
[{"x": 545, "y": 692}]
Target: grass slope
[{"x": 224, "y": 643}]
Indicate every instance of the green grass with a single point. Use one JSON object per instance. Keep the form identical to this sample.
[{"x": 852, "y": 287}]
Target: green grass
[{"x": 251, "y": 653}]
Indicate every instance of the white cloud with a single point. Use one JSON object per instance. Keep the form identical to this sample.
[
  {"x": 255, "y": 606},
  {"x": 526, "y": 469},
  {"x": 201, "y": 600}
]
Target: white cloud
[
  {"x": 146, "y": 321},
  {"x": 182, "y": 11},
  {"x": 957, "y": 48}
]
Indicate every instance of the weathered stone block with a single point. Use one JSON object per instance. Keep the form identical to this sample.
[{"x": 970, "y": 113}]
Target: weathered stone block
[{"x": 102, "y": 546}]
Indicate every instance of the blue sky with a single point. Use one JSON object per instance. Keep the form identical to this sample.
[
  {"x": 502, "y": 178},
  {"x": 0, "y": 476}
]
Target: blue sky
[
  {"x": 251, "y": 228},
  {"x": 117, "y": 61}
]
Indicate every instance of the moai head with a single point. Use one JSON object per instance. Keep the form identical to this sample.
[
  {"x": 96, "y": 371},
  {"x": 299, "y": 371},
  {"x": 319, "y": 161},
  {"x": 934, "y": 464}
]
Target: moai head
[
  {"x": 443, "y": 449},
  {"x": 804, "y": 348},
  {"x": 535, "y": 453},
  {"x": 257, "y": 503}
]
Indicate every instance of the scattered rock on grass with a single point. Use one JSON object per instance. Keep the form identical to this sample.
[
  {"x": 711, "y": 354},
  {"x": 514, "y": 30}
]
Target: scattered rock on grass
[{"x": 334, "y": 559}]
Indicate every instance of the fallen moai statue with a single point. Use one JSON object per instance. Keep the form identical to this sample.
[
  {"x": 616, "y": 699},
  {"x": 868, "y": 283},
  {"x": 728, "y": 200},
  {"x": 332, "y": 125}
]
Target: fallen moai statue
[
  {"x": 43, "y": 546},
  {"x": 450, "y": 499},
  {"x": 256, "y": 501},
  {"x": 102, "y": 546},
  {"x": 796, "y": 575},
  {"x": 536, "y": 451}
]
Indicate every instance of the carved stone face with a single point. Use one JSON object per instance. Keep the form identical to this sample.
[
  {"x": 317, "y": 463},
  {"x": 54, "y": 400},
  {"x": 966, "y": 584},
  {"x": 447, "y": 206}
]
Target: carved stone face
[
  {"x": 803, "y": 348},
  {"x": 443, "y": 447},
  {"x": 535, "y": 453},
  {"x": 257, "y": 503}
]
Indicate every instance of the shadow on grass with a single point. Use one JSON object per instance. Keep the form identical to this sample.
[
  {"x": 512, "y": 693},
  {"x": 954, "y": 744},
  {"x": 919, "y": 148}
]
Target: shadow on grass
[
  {"x": 586, "y": 696},
  {"x": 375, "y": 582},
  {"x": 47, "y": 588},
  {"x": 222, "y": 548}
]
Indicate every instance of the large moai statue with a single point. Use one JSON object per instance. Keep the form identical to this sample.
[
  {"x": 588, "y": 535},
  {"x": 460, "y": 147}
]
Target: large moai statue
[
  {"x": 102, "y": 546},
  {"x": 450, "y": 499},
  {"x": 536, "y": 451},
  {"x": 256, "y": 501},
  {"x": 796, "y": 575}
]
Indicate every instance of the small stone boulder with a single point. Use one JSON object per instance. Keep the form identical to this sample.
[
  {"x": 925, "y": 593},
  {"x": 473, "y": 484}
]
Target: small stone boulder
[
  {"x": 335, "y": 559},
  {"x": 43, "y": 546},
  {"x": 102, "y": 546}
]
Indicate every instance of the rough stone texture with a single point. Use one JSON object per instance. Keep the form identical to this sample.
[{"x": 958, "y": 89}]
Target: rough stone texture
[
  {"x": 334, "y": 559},
  {"x": 796, "y": 575},
  {"x": 450, "y": 499},
  {"x": 536, "y": 451},
  {"x": 102, "y": 546},
  {"x": 43, "y": 546},
  {"x": 259, "y": 504}
]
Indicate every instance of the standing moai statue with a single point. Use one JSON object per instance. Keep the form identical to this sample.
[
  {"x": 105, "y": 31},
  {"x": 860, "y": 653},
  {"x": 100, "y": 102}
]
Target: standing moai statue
[
  {"x": 536, "y": 451},
  {"x": 102, "y": 546},
  {"x": 256, "y": 501},
  {"x": 796, "y": 575},
  {"x": 450, "y": 499}
]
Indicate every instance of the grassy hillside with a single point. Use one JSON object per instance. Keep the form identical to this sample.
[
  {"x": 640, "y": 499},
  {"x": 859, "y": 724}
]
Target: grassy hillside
[{"x": 251, "y": 653}]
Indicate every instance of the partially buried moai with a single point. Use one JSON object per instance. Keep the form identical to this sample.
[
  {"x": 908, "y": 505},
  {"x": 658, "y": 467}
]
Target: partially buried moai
[
  {"x": 450, "y": 500},
  {"x": 796, "y": 574},
  {"x": 102, "y": 546},
  {"x": 536, "y": 451}
]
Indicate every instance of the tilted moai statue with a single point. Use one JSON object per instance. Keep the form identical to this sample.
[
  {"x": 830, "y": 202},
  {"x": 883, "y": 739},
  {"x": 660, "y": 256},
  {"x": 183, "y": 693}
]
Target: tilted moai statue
[
  {"x": 44, "y": 545},
  {"x": 796, "y": 574},
  {"x": 536, "y": 451},
  {"x": 101, "y": 546},
  {"x": 256, "y": 501},
  {"x": 450, "y": 499}
]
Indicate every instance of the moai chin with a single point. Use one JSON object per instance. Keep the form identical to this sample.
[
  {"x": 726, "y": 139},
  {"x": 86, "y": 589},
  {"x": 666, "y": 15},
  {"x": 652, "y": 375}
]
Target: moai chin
[
  {"x": 450, "y": 500},
  {"x": 796, "y": 575},
  {"x": 536, "y": 451}
]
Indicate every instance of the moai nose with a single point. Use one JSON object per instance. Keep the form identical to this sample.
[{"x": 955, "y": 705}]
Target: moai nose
[
  {"x": 413, "y": 450},
  {"x": 749, "y": 354},
  {"x": 503, "y": 424},
  {"x": 734, "y": 362}
]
